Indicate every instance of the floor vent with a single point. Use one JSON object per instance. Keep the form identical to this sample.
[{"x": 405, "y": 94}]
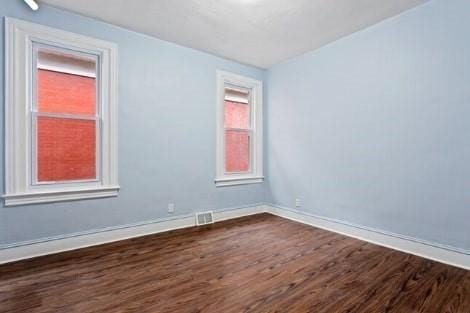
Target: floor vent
[{"x": 204, "y": 218}]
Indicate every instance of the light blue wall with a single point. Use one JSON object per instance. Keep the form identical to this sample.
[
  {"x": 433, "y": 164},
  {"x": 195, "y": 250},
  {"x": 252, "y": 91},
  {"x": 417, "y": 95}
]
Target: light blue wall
[
  {"x": 374, "y": 129},
  {"x": 166, "y": 135}
]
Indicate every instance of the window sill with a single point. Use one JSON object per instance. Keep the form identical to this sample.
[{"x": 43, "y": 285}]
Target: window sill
[
  {"x": 232, "y": 181},
  {"x": 60, "y": 195}
]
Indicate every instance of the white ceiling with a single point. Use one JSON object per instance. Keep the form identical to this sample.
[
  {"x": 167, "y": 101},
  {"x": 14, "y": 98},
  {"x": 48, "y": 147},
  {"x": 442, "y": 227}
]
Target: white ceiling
[{"x": 256, "y": 32}]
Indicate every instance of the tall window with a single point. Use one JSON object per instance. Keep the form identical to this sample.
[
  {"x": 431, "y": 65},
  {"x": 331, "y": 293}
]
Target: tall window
[
  {"x": 239, "y": 138},
  {"x": 66, "y": 116},
  {"x": 61, "y": 134},
  {"x": 238, "y": 130}
]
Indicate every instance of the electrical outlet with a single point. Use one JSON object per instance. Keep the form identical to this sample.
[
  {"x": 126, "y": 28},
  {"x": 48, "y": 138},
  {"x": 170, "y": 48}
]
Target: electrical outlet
[
  {"x": 297, "y": 203},
  {"x": 171, "y": 207}
]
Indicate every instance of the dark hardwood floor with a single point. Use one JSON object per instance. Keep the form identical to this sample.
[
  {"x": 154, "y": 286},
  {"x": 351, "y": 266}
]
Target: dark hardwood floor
[{"x": 260, "y": 263}]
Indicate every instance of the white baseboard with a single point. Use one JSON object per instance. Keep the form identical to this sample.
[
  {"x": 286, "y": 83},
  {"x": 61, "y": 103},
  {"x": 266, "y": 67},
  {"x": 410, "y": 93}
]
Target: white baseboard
[
  {"x": 51, "y": 245},
  {"x": 440, "y": 253},
  {"x": 228, "y": 214},
  {"x": 444, "y": 254}
]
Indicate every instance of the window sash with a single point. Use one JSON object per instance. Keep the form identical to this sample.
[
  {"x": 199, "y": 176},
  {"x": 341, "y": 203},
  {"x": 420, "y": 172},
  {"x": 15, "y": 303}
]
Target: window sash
[
  {"x": 239, "y": 129},
  {"x": 35, "y": 114},
  {"x": 249, "y": 102},
  {"x": 250, "y": 152},
  {"x": 66, "y": 116},
  {"x": 35, "y": 158},
  {"x": 250, "y": 120},
  {"x": 250, "y": 130}
]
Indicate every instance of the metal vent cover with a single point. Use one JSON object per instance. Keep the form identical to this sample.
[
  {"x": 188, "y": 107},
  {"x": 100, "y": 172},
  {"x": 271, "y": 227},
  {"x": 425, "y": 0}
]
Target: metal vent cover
[{"x": 204, "y": 218}]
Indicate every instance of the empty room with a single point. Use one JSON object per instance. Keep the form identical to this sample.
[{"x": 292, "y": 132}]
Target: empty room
[{"x": 225, "y": 156}]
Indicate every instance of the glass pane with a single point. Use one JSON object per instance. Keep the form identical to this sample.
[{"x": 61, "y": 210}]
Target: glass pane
[
  {"x": 237, "y": 109},
  {"x": 66, "y": 149},
  {"x": 66, "y": 82},
  {"x": 237, "y": 151}
]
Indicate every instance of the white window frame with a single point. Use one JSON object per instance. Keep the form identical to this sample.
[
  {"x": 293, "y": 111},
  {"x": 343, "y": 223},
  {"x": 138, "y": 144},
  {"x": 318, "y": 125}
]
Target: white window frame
[
  {"x": 20, "y": 188},
  {"x": 255, "y": 174}
]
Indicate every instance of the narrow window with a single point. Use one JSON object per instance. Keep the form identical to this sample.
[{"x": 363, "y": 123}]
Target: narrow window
[
  {"x": 239, "y": 138},
  {"x": 60, "y": 115},
  {"x": 238, "y": 130},
  {"x": 66, "y": 116}
]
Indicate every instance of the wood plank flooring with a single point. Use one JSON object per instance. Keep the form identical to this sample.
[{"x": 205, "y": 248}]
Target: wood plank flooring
[{"x": 259, "y": 263}]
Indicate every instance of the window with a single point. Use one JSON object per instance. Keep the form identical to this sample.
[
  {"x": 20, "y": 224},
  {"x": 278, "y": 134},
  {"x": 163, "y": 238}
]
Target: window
[
  {"x": 239, "y": 130},
  {"x": 65, "y": 116},
  {"x": 60, "y": 115}
]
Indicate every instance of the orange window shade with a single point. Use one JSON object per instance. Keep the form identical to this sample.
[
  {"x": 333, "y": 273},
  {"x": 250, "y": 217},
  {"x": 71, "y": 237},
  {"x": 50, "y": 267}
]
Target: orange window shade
[
  {"x": 237, "y": 151},
  {"x": 66, "y": 149},
  {"x": 65, "y": 93}
]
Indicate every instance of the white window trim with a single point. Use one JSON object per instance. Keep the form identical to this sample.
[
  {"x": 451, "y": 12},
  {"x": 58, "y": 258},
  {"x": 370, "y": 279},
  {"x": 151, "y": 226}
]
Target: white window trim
[
  {"x": 19, "y": 38},
  {"x": 256, "y": 173}
]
